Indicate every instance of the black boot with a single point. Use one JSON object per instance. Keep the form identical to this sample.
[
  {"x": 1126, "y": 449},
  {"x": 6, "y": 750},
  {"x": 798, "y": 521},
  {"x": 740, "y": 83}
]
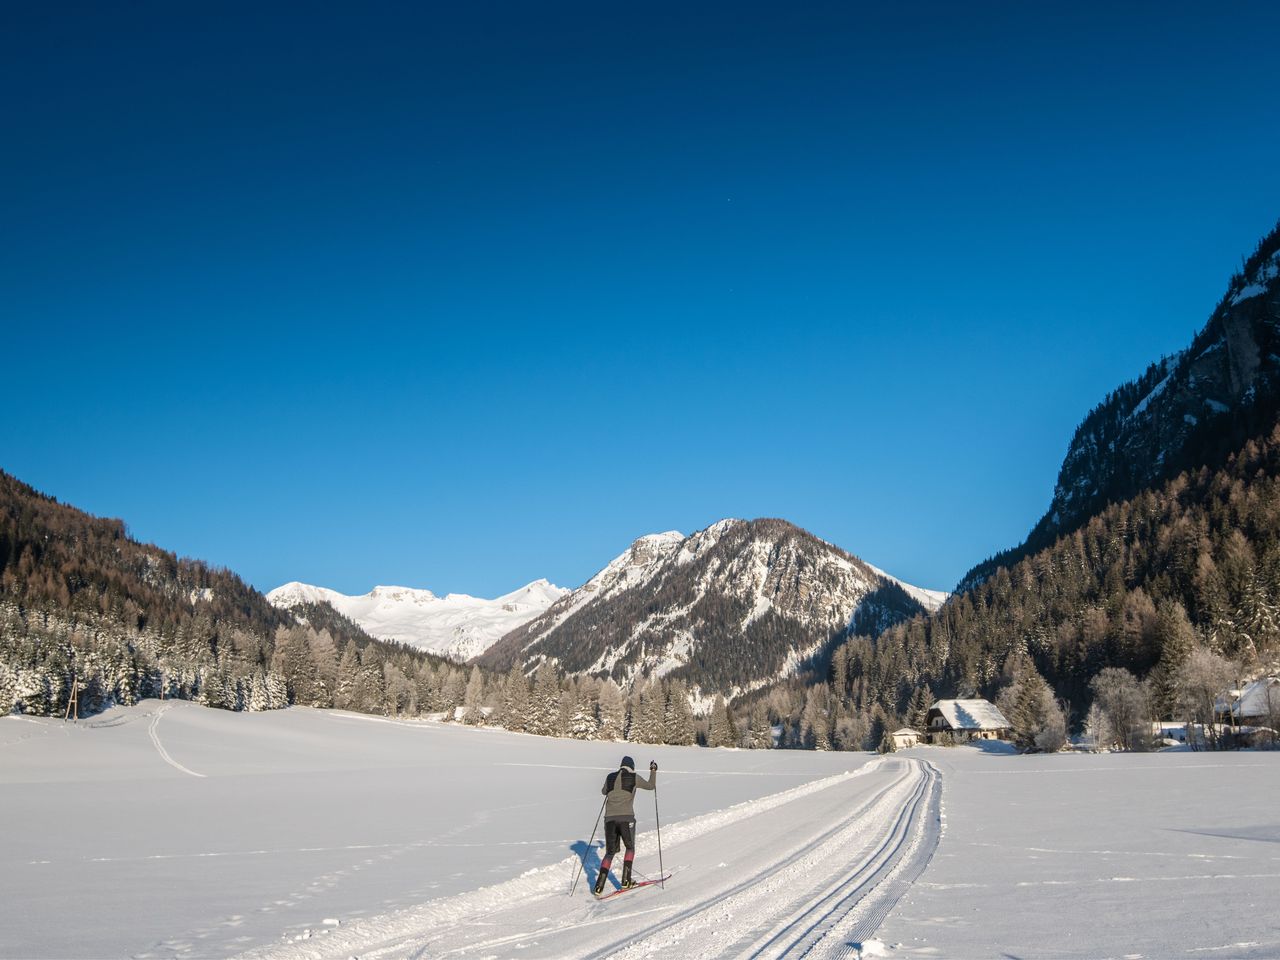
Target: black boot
[
  {"x": 604, "y": 875},
  {"x": 626, "y": 875}
]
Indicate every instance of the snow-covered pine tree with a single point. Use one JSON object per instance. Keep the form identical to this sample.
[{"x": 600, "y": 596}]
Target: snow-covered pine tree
[
  {"x": 453, "y": 691},
  {"x": 544, "y": 712},
  {"x": 515, "y": 700},
  {"x": 369, "y": 691},
  {"x": 324, "y": 655},
  {"x": 648, "y": 714},
  {"x": 8, "y": 689},
  {"x": 612, "y": 710},
  {"x": 760, "y": 732},
  {"x": 348, "y": 667},
  {"x": 677, "y": 722},
  {"x": 399, "y": 691},
  {"x": 292, "y": 659},
  {"x": 721, "y": 732},
  {"x": 473, "y": 698},
  {"x": 581, "y": 724},
  {"x": 277, "y": 692}
]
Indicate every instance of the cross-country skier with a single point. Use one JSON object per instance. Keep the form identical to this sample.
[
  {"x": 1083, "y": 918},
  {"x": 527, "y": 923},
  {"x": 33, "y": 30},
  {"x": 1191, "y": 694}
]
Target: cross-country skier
[{"x": 620, "y": 817}]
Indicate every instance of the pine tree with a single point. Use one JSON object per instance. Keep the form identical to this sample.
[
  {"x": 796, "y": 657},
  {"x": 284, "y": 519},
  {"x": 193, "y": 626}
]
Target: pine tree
[
  {"x": 721, "y": 732},
  {"x": 473, "y": 698},
  {"x": 515, "y": 700},
  {"x": 649, "y": 712},
  {"x": 876, "y": 730},
  {"x": 348, "y": 667},
  {"x": 453, "y": 691},
  {"x": 544, "y": 710},
  {"x": 1176, "y": 639},
  {"x": 815, "y": 729},
  {"x": 761, "y": 733},
  {"x": 582, "y": 718},
  {"x": 918, "y": 714},
  {"x": 369, "y": 692},
  {"x": 677, "y": 723},
  {"x": 613, "y": 711}
]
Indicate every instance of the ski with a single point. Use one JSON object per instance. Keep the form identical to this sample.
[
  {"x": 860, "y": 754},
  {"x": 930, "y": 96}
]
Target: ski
[{"x": 634, "y": 886}]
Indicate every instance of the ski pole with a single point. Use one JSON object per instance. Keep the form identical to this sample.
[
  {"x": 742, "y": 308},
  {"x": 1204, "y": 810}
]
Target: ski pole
[
  {"x": 582, "y": 864},
  {"x": 661, "y": 872}
]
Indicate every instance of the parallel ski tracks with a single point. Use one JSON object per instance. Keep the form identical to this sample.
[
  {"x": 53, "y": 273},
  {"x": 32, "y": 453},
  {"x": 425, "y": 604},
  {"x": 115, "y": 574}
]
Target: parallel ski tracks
[
  {"x": 838, "y": 899},
  {"x": 876, "y": 884},
  {"x": 805, "y": 894}
]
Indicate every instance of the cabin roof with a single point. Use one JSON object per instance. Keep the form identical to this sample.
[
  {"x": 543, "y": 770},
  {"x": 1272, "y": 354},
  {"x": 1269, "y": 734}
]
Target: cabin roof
[{"x": 971, "y": 714}]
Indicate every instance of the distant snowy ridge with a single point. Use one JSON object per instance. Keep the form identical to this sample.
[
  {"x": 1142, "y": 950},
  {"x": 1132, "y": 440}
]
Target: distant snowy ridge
[
  {"x": 456, "y": 625},
  {"x": 931, "y": 600}
]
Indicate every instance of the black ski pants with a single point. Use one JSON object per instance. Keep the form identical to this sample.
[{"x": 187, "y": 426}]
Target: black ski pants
[{"x": 615, "y": 830}]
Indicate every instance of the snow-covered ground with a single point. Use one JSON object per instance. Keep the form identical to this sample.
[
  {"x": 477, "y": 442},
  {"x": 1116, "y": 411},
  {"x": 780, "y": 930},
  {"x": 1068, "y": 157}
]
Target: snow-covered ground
[
  {"x": 168, "y": 830},
  {"x": 456, "y": 625},
  {"x": 1113, "y": 855}
]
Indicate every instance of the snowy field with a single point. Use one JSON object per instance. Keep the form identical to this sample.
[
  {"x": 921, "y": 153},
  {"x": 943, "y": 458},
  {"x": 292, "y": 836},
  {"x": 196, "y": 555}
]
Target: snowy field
[
  {"x": 168, "y": 830},
  {"x": 1115, "y": 855}
]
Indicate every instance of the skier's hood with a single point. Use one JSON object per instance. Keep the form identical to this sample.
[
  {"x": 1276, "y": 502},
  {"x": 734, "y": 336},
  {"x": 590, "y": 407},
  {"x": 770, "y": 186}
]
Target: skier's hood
[{"x": 629, "y": 764}]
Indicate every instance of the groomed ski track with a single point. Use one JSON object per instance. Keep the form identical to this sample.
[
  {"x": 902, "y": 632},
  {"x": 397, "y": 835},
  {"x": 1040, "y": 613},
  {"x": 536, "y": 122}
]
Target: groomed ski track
[{"x": 809, "y": 872}]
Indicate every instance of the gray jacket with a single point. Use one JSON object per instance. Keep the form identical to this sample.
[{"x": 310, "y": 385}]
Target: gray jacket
[{"x": 620, "y": 792}]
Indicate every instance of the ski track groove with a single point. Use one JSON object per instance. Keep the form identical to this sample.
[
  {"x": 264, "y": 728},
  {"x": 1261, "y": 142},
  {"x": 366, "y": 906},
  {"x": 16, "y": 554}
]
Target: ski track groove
[
  {"x": 880, "y": 858},
  {"x": 684, "y": 914},
  {"x": 868, "y": 877},
  {"x": 628, "y": 946},
  {"x": 915, "y": 837},
  {"x": 164, "y": 754},
  {"x": 821, "y": 898}
]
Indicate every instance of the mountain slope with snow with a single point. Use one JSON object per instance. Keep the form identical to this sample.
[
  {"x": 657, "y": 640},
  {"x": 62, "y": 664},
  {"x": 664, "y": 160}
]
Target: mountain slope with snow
[
  {"x": 456, "y": 626},
  {"x": 1190, "y": 410},
  {"x": 728, "y": 609}
]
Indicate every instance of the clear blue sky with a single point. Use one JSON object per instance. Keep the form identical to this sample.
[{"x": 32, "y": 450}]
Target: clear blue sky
[{"x": 462, "y": 295}]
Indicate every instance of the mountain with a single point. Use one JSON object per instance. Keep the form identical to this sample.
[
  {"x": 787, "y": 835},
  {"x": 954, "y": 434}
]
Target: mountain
[
  {"x": 1194, "y": 409},
  {"x": 456, "y": 626},
  {"x": 85, "y": 606},
  {"x": 1159, "y": 555},
  {"x": 728, "y": 609}
]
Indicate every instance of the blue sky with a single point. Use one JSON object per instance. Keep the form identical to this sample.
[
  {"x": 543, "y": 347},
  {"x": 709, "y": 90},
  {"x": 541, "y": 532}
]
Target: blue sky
[{"x": 457, "y": 299}]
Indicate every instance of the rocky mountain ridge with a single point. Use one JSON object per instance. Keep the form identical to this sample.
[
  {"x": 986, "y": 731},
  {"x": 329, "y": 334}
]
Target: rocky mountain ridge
[
  {"x": 727, "y": 609},
  {"x": 1191, "y": 410}
]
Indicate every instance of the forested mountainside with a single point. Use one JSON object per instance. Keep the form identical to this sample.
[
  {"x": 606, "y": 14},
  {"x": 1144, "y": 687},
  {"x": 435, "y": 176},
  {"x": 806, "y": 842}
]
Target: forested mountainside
[
  {"x": 81, "y": 599},
  {"x": 728, "y": 609},
  {"x": 1165, "y": 585},
  {"x": 1190, "y": 410}
]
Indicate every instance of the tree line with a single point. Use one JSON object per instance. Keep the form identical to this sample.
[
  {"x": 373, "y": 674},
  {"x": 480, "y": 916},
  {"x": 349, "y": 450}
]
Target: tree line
[{"x": 1166, "y": 599}]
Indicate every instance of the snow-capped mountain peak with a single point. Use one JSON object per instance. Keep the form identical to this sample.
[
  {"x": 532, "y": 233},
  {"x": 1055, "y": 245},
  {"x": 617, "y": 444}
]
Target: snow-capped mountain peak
[
  {"x": 456, "y": 625},
  {"x": 728, "y": 608}
]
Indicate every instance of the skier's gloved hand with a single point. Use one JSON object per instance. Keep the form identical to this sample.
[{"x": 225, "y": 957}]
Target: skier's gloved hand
[{"x": 653, "y": 764}]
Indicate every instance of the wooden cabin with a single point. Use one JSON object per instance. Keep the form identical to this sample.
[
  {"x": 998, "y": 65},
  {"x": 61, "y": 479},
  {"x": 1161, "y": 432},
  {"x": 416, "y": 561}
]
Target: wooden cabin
[{"x": 959, "y": 721}]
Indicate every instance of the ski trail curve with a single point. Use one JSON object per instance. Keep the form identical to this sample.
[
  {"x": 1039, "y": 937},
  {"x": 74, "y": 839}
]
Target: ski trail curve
[
  {"x": 811, "y": 871},
  {"x": 164, "y": 754}
]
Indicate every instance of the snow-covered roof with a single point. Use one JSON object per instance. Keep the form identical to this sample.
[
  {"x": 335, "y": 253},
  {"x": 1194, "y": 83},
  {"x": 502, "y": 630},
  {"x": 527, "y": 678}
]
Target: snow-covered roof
[
  {"x": 904, "y": 732},
  {"x": 971, "y": 714},
  {"x": 1258, "y": 699}
]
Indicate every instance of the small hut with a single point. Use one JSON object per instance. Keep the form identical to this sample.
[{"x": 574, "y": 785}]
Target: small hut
[
  {"x": 906, "y": 737},
  {"x": 1257, "y": 702},
  {"x": 959, "y": 721}
]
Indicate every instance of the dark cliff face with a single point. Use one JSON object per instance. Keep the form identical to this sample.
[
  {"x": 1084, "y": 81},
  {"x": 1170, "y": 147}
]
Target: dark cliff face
[
  {"x": 734, "y": 606},
  {"x": 1191, "y": 410}
]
